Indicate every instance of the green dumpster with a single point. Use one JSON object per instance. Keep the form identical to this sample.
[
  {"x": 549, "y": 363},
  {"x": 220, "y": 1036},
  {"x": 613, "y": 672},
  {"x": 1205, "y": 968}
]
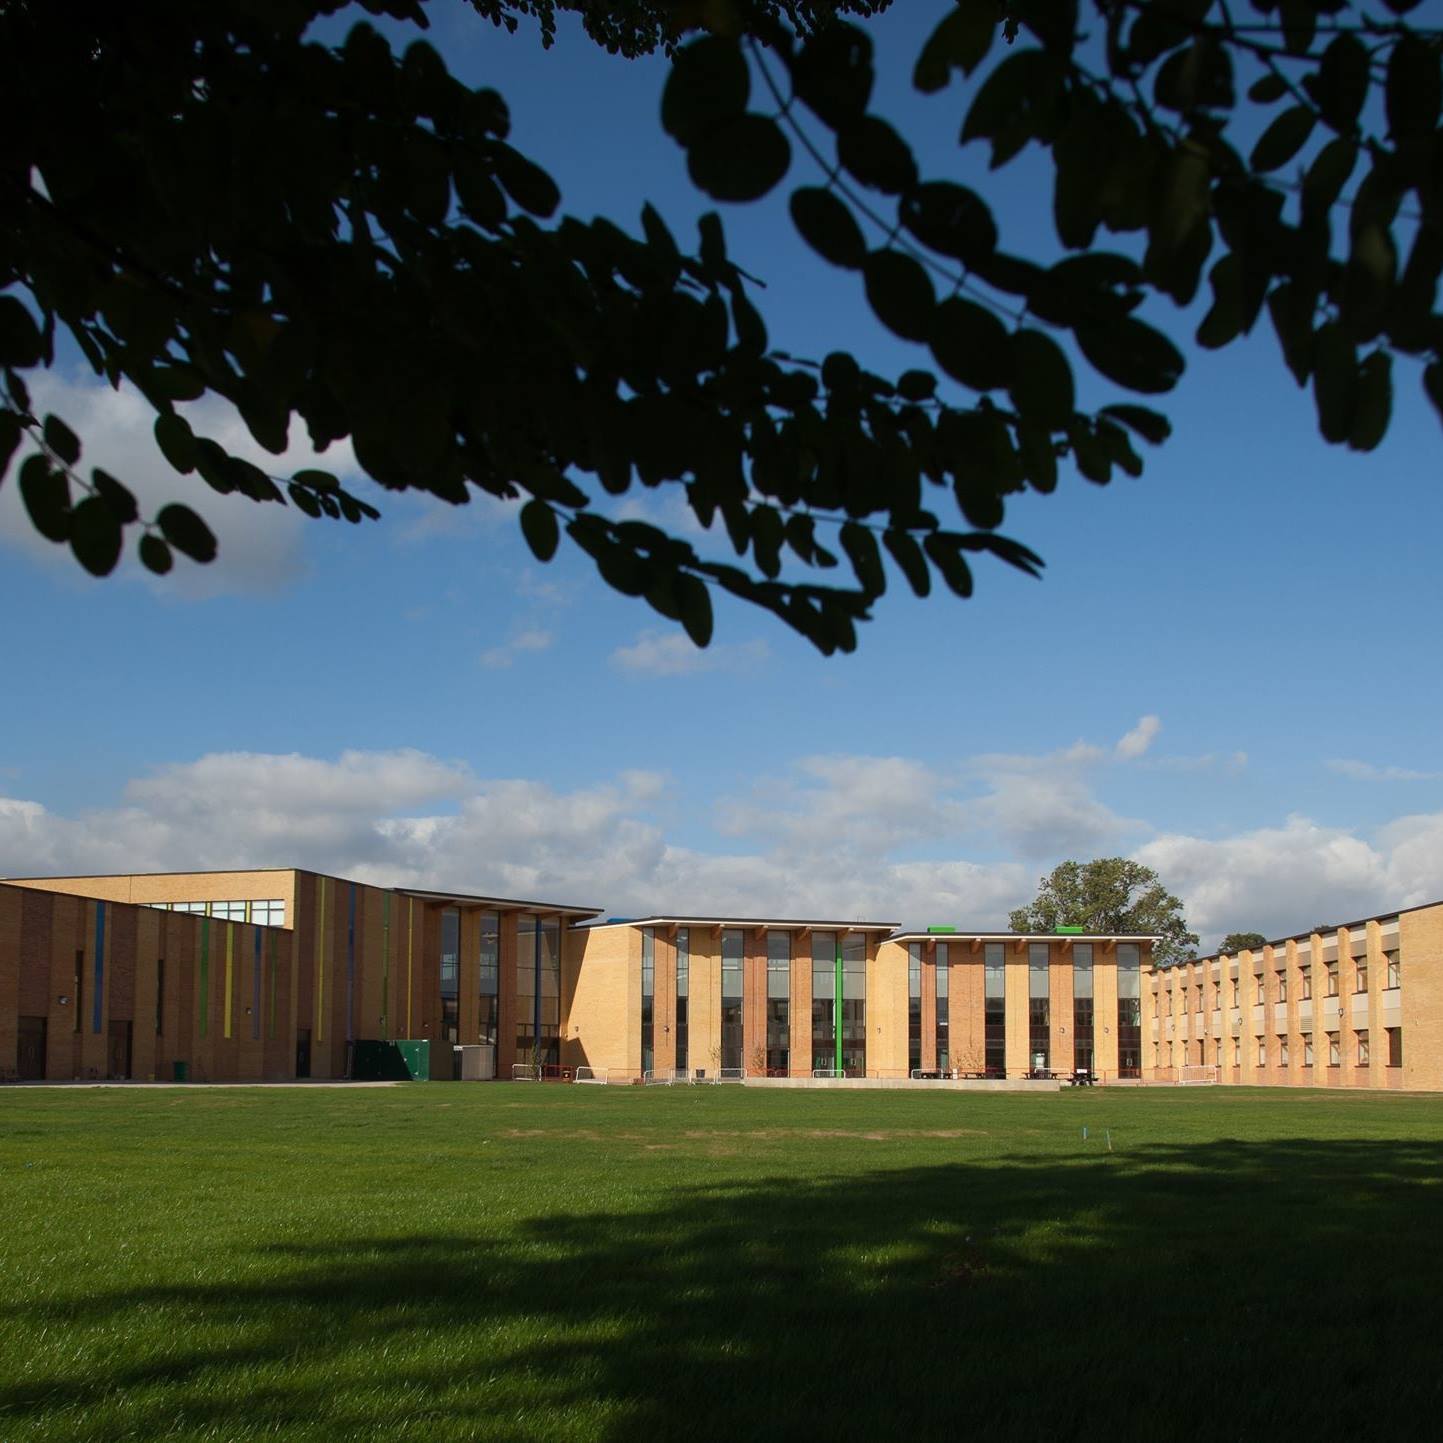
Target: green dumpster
[{"x": 180, "y": 1071}]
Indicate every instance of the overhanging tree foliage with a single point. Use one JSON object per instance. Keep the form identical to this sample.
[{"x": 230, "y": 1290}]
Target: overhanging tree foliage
[
  {"x": 347, "y": 235},
  {"x": 1110, "y": 894},
  {"x": 1236, "y": 942}
]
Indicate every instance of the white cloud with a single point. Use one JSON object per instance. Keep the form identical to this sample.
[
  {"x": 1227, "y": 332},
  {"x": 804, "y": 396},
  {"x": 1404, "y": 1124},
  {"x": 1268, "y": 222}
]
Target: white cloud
[
  {"x": 1367, "y": 772},
  {"x": 531, "y": 639},
  {"x": 261, "y": 544},
  {"x": 1134, "y": 743},
  {"x": 1229, "y": 762},
  {"x": 672, "y": 653}
]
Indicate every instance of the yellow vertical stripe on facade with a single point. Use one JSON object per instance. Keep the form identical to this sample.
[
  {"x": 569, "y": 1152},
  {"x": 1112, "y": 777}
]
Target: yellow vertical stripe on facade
[
  {"x": 410, "y": 956},
  {"x": 229, "y": 974},
  {"x": 320, "y": 959}
]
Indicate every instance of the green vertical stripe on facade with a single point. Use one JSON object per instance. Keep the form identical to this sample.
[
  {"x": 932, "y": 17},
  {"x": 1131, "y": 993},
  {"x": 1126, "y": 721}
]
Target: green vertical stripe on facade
[
  {"x": 837, "y": 1004},
  {"x": 204, "y": 975},
  {"x": 385, "y": 962}
]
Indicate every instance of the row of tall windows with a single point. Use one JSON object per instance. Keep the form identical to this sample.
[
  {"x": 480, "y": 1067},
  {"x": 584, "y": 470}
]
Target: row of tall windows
[
  {"x": 683, "y": 988},
  {"x": 842, "y": 954},
  {"x": 942, "y": 989},
  {"x": 538, "y": 989},
  {"x": 733, "y": 955},
  {"x": 1082, "y": 1006},
  {"x": 450, "y": 974},
  {"x": 1129, "y": 1009},
  {"x": 648, "y": 999},
  {"x": 267, "y": 911},
  {"x": 1039, "y": 1009},
  {"x": 994, "y": 1008},
  {"x": 779, "y": 1003},
  {"x": 914, "y": 1005},
  {"x": 489, "y": 977}
]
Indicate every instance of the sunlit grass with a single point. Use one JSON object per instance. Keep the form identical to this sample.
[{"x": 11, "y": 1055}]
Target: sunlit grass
[{"x": 452, "y": 1261}]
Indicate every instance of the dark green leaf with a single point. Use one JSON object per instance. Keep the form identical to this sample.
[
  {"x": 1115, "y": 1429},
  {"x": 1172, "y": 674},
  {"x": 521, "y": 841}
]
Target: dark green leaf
[
  {"x": 1197, "y": 78},
  {"x": 46, "y": 494},
  {"x": 186, "y": 532},
  {"x": 1038, "y": 454},
  {"x": 1292, "y": 315},
  {"x": 1300, "y": 23},
  {"x": 155, "y": 555},
  {"x": 1283, "y": 139},
  {"x": 1148, "y": 424},
  {"x": 1132, "y": 353},
  {"x": 709, "y": 85},
  {"x": 1041, "y": 387},
  {"x": 916, "y": 385},
  {"x": 525, "y": 182},
  {"x": 62, "y": 440},
  {"x": 833, "y": 73},
  {"x": 95, "y": 536},
  {"x": 11, "y": 430},
  {"x": 970, "y": 343},
  {"x": 861, "y": 547},
  {"x": 305, "y": 500},
  {"x": 1414, "y": 89},
  {"x": 694, "y": 603},
  {"x": 951, "y": 220},
  {"x": 1019, "y": 101},
  {"x": 317, "y": 480},
  {"x": 828, "y": 226},
  {"x": 538, "y": 525},
  {"x": 1375, "y": 402},
  {"x": 948, "y": 559},
  {"x": 1268, "y": 89},
  {"x": 1433, "y": 385},
  {"x": 908, "y": 556},
  {"x": 1335, "y": 383},
  {"x": 20, "y": 341},
  {"x": 117, "y": 496},
  {"x": 1342, "y": 82},
  {"x": 1328, "y": 174},
  {"x": 741, "y": 160},
  {"x": 875, "y": 154},
  {"x": 960, "y": 42},
  {"x": 900, "y": 293},
  {"x": 176, "y": 441}
]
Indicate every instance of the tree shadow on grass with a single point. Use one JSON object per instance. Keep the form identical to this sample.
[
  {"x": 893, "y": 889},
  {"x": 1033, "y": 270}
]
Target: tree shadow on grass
[{"x": 1228, "y": 1289}]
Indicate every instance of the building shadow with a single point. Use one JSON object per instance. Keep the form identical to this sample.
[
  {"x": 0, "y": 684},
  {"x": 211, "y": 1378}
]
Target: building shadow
[{"x": 1235, "y": 1289}]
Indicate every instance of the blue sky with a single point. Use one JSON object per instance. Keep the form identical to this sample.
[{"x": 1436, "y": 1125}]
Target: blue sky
[{"x": 419, "y": 700}]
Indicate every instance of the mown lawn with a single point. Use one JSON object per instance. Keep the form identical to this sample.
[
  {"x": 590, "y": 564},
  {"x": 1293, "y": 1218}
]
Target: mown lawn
[{"x": 453, "y": 1261}]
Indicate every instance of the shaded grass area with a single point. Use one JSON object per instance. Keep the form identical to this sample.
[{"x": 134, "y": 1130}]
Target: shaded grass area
[{"x": 448, "y": 1261}]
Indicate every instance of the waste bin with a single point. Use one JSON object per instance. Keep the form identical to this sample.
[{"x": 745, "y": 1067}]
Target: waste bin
[{"x": 180, "y": 1071}]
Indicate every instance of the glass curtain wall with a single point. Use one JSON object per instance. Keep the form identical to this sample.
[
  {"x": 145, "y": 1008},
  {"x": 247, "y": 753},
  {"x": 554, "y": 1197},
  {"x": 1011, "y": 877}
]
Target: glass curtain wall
[
  {"x": 914, "y": 1006},
  {"x": 526, "y": 1041},
  {"x": 1129, "y": 1009},
  {"x": 1082, "y": 1006},
  {"x": 1039, "y": 1011},
  {"x": 648, "y": 999},
  {"x": 450, "y": 974},
  {"x": 733, "y": 953},
  {"x": 490, "y": 976},
  {"x": 943, "y": 1019},
  {"x": 779, "y": 1006},
  {"x": 994, "y": 1007},
  {"x": 824, "y": 998},
  {"x": 683, "y": 982},
  {"x": 538, "y": 989},
  {"x": 854, "y": 1004}
]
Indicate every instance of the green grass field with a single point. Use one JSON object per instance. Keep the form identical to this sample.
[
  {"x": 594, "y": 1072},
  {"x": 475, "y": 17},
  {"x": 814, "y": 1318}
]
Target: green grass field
[{"x": 515, "y": 1262}]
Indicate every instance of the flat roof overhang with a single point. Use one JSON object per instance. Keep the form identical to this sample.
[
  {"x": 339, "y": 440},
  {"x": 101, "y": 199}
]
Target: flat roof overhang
[
  {"x": 471, "y": 899},
  {"x": 780, "y": 924}
]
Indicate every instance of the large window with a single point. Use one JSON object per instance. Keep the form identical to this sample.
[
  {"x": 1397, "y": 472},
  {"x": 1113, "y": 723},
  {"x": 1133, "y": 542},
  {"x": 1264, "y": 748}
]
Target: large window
[
  {"x": 824, "y": 1001},
  {"x": 1332, "y": 979},
  {"x": 854, "y": 1004},
  {"x": 1306, "y": 995},
  {"x": 683, "y": 984},
  {"x": 1039, "y": 1029},
  {"x": 914, "y": 1005},
  {"x": 1395, "y": 1046},
  {"x": 1082, "y": 1006},
  {"x": 1394, "y": 971},
  {"x": 1360, "y": 974},
  {"x": 1363, "y": 1050},
  {"x": 1282, "y": 986},
  {"x": 450, "y": 974},
  {"x": 779, "y": 1006},
  {"x": 1129, "y": 1009},
  {"x": 942, "y": 991},
  {"x": 538, "y": 989},
  {"x": 1307, "y": 1049},
  {"x": 648, "y": 999},
  {"x": 1334, "y": 1053},
  {"x": 994, "y": 1008},
  {"x": 733, "y": 952},
  {"x": 489, "y": 970}
]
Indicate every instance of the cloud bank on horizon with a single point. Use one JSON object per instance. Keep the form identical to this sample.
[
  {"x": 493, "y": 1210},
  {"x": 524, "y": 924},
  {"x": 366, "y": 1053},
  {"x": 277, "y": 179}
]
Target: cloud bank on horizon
[{"x": 858, "y": 837}]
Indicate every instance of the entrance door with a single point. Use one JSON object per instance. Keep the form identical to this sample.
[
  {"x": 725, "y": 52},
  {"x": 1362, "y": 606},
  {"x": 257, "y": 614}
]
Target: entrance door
[
  {"x": 303, "y": 1052},
  {"x": 118, "y": 1064},
  {"x": 30, "y": 1055}
]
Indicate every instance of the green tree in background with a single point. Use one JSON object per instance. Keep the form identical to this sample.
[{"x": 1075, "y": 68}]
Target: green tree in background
[
  {"x": 1110, "y": 894},
  {"x": 207, "y": 200},
  {"x": 1235, "y": 942}
]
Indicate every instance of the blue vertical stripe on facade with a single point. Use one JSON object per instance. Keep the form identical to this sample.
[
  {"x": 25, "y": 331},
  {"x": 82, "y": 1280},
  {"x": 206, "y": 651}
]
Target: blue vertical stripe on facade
[
  {"x": 96, "y": 1007},
  {"x": 256, "y": 1003},
  {"x": 351, "y": 967}
]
